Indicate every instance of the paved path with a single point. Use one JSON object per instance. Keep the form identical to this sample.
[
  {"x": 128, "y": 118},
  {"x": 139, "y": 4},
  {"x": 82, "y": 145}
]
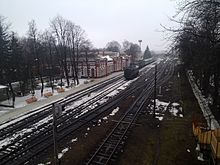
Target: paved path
[{"x": 15, "y": 112}]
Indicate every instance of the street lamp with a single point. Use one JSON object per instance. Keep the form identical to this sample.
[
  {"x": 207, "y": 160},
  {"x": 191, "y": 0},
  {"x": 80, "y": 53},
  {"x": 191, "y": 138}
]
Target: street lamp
[
  {"x": 140, "y": 48},
  {"x": 140, "y": 42}
]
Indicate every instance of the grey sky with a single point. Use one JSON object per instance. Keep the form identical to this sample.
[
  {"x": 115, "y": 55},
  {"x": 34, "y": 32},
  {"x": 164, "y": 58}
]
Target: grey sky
[{"x": 103, "y": 20}]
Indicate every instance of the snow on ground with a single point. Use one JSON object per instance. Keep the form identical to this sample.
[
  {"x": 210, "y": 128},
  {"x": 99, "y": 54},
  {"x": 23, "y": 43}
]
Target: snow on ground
[
  {"x": 47, "y": 163},
  {"x": 22, "y": 132},
  {"x": 203, "y": 103},
  {"x": 95, "y": 94},
  {"x": 60, "y": 155},
  {"x": 74, "y": 140},
  {"x": 3, "y": 112},
  {"x": 161, "y": 106},
  {"x": 49, "y": 118},
  {"x": 21, "y": 116},
  {"x": 35, "y": 126},
  {"x": 174, "y": 108},
  {"x": 159, "y": 118},
  {"x": 20, "y": 101},
  {"x": 105, "y": 118},
  {"x": 114, "y": 111}
]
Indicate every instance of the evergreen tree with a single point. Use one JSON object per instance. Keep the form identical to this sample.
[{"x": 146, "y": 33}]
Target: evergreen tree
[
  {"x": 18, "y": 63},
  {"x": 147, "y": 53},
  {"x": 4, "y": 49}
]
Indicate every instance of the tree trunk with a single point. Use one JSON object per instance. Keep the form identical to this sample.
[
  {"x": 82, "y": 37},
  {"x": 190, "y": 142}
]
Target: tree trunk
[
  {"x": 72, "y": 66},
  {"x": 65, "y": 67},
  {"x": 13, "y": 94},
  {"x": 42, "y": 85},
  {"x": 31, "y": 79},
  {"x": 216, "y": 88},
  {"x": 77, "y": 61},
  {"x": 205, "y": 84},
  {"x": 87, "y": 64}
]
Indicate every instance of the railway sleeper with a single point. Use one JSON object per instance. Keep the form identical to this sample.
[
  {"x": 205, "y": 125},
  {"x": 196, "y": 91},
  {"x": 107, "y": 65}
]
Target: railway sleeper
[
  {"x": 112, "y": 141},
  {"x": 108, "y": 147},
  {"x": 98, "y": 163},
  {"x": 101, "y": 158},
  {"x": 104, "y": 154}
]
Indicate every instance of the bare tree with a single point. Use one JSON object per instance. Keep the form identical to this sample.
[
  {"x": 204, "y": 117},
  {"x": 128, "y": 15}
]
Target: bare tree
[
  {"x": 33, "y": 43},
  {"x": 131, "y": 49},
  {"x": 59, "y": 28},
  {"x": 4, "y": 44},
  {"x": 76, "y": 40},
  {"x": 198, "y": 43},
  {"x": 113, "y": 46},
  {"x": 47, "y": 40},
  {"x": 86, "y": 47}
]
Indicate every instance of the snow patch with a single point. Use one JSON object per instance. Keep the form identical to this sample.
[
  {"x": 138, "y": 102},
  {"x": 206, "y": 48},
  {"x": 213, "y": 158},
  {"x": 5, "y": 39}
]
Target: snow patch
[
  {"x": 176, "y": 110},
  {"x": 74, "y": 140},
  {"x": 203, "y": 102},
  {"x": 114, "y": 111},
  {"x": 60, "y": 155},
  {"x": 159, "y": 118},
  {"x": 105, "y": 118},
  {"x": 200, "y": 157},
  {"x": 161, "y": 106}
]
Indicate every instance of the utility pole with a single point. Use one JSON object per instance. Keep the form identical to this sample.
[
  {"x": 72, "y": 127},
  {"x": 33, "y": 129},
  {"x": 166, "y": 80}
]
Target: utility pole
[
  {"x": 57, "y": 111},
  {"x": 155, "y": 91}
]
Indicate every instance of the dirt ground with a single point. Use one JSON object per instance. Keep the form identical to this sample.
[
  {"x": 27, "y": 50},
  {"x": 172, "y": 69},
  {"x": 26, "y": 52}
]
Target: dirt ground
[{"x": 169, "y": 141}]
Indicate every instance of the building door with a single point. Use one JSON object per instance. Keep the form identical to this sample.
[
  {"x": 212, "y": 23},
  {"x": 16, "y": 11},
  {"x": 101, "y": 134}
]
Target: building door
[{"x": 93, "y": 73}]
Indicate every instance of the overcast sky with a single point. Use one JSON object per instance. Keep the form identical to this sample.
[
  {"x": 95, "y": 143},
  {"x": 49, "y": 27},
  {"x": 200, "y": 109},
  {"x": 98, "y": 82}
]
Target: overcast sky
[{"x": 103, "y": 20}]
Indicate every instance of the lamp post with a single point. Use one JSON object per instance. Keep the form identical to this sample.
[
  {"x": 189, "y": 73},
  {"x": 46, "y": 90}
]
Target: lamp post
[
  {"x": 140, "y": 42},
  {"x": 140, "y": 48}
]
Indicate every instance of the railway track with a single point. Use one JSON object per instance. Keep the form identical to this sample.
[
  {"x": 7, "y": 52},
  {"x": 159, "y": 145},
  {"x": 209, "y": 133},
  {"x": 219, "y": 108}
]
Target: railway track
[
  {"x": 38, "y": 131},
  {"x": 24, "y": 148},
  {"x": 114, "y": 141},
  {"x": 8, "y": 128}
]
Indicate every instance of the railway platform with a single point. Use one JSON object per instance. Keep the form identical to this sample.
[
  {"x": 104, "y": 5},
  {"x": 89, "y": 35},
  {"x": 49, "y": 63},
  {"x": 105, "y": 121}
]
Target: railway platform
[{"x": 13, "y": 113}]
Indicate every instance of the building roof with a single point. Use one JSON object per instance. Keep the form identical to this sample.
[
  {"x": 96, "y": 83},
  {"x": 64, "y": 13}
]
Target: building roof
[
  {"x": 107, "y": 57},
  {"x": 3, "y": 87}
]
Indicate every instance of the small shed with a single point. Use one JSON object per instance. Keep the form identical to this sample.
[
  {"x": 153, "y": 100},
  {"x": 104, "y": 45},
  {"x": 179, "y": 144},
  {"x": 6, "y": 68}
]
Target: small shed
[{"x": 3, "y": 92}]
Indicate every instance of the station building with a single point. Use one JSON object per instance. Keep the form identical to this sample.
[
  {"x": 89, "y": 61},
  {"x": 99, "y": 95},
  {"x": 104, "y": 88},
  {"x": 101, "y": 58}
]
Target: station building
[{"x": 99, "y": 64}]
